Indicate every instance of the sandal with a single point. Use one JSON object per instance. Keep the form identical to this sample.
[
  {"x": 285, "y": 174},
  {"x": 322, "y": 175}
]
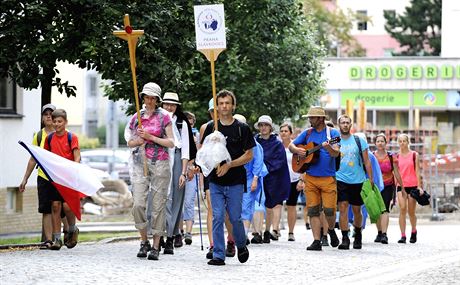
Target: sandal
[{"x": 46, "y": 245}]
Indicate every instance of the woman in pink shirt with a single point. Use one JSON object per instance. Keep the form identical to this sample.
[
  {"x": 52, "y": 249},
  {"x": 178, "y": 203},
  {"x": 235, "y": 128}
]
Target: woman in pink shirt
[
  {"x": 410, "y": 173},
  {"x": 388, "y": 163}
]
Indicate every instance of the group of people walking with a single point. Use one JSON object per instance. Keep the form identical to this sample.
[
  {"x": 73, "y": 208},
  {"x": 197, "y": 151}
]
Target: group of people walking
[{"x": 264, "y": 171}]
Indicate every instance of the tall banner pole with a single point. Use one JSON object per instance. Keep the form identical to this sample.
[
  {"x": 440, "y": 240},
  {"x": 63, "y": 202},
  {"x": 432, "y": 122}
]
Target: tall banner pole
[
  {"x": 210, "y": 39},
  {"x": 132, "y": 36}
]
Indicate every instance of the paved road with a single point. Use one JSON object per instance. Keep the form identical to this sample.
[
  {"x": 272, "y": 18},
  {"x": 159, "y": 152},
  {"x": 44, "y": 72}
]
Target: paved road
[{"x": 434, "y": 259}]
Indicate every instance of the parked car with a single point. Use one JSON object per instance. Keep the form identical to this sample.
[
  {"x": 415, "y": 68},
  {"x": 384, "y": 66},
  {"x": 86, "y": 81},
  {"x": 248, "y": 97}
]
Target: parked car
[{"x": 101, "y": 158}]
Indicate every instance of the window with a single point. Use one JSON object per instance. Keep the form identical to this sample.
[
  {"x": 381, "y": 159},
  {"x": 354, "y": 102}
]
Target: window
[
  {"x": 362, "y": 20},
  {"x": 7, "y": 96},
  {"x": 13, "y": 200},
  {"x": 93, "y": 86}
]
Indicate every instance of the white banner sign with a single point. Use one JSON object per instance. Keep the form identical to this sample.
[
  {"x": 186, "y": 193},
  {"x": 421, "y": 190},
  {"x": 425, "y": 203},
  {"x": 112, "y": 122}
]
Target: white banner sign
[{"x": 210, "y": 27}]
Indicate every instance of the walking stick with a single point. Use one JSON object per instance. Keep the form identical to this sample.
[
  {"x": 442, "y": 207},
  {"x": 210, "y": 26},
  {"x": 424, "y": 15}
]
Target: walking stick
[{"x": 199, "y": 209}]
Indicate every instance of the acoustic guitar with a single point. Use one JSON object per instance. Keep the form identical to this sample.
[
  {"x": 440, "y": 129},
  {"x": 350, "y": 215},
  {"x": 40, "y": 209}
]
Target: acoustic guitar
[{"x": 301, "y": 163}]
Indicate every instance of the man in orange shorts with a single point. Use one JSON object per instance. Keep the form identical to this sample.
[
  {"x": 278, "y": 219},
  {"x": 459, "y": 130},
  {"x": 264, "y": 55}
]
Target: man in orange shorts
[{"x": 319, "y": 179}]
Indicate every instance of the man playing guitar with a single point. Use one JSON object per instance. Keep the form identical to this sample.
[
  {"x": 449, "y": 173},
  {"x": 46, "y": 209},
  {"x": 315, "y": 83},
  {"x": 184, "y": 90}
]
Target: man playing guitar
[{"x": 320, "y": 183}]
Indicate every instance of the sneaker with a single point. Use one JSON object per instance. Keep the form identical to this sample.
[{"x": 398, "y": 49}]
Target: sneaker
[
  {"x": 324, "y": 241},
  {"x": 230, "y": 251},
  {"x": 378, "y": 238},
  {"x": 154, "y": 254},
  {"x": 334, "y": 239},
  {"x": 210, "y": 252},
  {"x": 216, "y": 261},
  {"x": 274, "y": 235},
  {"x": 145, "y": 248},
  {"x": 307, "y": 225},
  {"x": 357, "y": 242},
  {"x": 72, "y": 239},
  {"x": 188, "y": 238},
  {"x": 66, "y": 237},
  {"x": 46, "y": 244},
  {"x": 178, "y": 241},
  {"x": 384, "y": 239},
  {"x": 291, "y": 237},
  {"x": 243, "y": 254},
  {"x": 345, "y": 243},
  {"x": 266, "y": 237},
  {"x": 402, "y": 240},
  {"x": 169, "y": 248},
  {"x": 413, "y": 237},
  {"x": 57, "y": 244},
  {"x": 316, "y": 245},
  {"x": 277, "y": 233},
  {"x": 257, "y": 239}
]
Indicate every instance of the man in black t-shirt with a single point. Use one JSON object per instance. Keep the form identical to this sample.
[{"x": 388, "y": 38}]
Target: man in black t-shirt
[{"x": 228, "y": 180}]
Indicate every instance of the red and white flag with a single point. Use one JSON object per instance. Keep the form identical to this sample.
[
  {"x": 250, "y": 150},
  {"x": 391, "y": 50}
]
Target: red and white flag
[{"x": 73, "y": 180}]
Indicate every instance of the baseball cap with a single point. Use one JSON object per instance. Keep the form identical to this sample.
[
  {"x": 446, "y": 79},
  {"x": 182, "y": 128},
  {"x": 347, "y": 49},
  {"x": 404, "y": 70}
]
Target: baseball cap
[{"x": 48, "y": 106}]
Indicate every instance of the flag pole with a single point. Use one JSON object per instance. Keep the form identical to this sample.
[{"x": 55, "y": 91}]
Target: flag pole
[{"x": 132, "y": 36}]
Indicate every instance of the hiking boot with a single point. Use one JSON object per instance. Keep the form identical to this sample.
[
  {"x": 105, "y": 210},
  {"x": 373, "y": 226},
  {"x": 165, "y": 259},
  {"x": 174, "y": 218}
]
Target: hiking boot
[
  {"x": 413, "y": 237},
  {"x": 145, "y": 248},
  {"x": 324, "y": 241},
  {"x": 316, "y": 245},
  {"x": 243, "y": 254},
  {"x": 402, "y": 240},
  {"x": 257, "y": 238},
  {"x": 274, "y": 235},
  {"x": 72, "y": 238},
  {"x": 378, "y": 238},
  {"x": 216, "y": 261},
  {"x": 178, "y": 241},
  {"x": 345, "y": 243},
  {"x": 357, "y": 242},
  {"x": 230, "y": 251},
  {"x": 266, "y": 237},
  {"x": 57, "y": 244},
  {"x": 384, "y": 239},
  {"x": 66, "y": 237},
  {"x": 307, "y": 225},
  {"x": 188, "y": 238},
  {"x": 334, "y": 239},
  {"x": 291, "y": 237},
  {"x": 168, "y": 248},
  {"x": 154, "y": 254},
  {"x": 210, "y": 252}
]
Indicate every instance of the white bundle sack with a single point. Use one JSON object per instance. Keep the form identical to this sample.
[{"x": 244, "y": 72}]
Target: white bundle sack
[{"x": 212, "y": 152}]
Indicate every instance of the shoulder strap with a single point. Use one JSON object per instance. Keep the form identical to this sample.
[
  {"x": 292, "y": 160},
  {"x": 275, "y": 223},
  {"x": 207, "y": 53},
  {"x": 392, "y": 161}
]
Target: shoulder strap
[
  {"x": 39, "y": 137},
  {"x": 414, "y": 158},
  {"x": 328, "y": 133},
  {"x": 360, "y": 149},
  {"x": 69, "y": 139},
  {"x": 308, "y": 134},
  {"x": 49, "y": 137},
  {"x": 390, "y": 156}
]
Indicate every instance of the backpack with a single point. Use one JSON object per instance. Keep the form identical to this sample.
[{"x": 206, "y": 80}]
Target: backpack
[{"x": 69, "y": 139}]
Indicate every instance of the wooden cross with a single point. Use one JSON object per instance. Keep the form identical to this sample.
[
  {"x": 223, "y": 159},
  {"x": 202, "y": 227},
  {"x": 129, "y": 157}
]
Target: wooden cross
[{"x": 131, "y": 36}]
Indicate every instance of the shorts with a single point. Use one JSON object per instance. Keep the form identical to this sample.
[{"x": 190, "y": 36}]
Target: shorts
[
  {"x": 388, "y": 193},
  {"x": 293, "y": 195},
  {"x": 321, "y": 190},
  {"x": 350, "y": 193},
  {"x": 47, "y": 193},
  {"x": 407, "y": 189}
]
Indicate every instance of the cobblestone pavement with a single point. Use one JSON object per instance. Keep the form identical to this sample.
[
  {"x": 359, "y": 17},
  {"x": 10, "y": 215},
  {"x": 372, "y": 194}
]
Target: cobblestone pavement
[{"x": 434, "y": 259}]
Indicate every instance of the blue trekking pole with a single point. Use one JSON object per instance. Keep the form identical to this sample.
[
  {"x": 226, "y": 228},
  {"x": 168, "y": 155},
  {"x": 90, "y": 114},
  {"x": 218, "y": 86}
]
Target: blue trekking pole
[{"x": 199, "y": 209}]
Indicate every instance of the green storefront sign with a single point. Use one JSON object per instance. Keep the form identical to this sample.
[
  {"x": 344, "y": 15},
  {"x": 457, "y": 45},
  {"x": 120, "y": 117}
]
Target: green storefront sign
[
  {"x": 403, "y": 72},
  {"x": 377, "y": 98},
  {"x": 430, "y": 98}
]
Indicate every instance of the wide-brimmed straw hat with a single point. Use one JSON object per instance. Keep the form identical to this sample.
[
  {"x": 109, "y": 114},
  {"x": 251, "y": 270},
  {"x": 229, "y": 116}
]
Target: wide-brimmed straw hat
[
  {"x": 151, "y": 89},
  {"x": 171, "y": 98},
  {"x": 315, "y": 111},
  {"x": 264, "y": 119}
]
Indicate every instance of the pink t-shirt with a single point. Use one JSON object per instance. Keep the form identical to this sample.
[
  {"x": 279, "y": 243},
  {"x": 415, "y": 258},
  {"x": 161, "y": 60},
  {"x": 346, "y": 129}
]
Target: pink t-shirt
[
  {"x": 155, "y": 125},
  {"x": 385, "y": 167},
  {"x": 407, "y": 169}
]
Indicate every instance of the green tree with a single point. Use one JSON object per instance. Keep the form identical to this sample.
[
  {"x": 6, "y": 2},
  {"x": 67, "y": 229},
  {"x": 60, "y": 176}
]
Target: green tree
[
  {"x": 334, "y": 29},
  {"x": 418, "y": 29},
  {"x": 272, "y": 61}
]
